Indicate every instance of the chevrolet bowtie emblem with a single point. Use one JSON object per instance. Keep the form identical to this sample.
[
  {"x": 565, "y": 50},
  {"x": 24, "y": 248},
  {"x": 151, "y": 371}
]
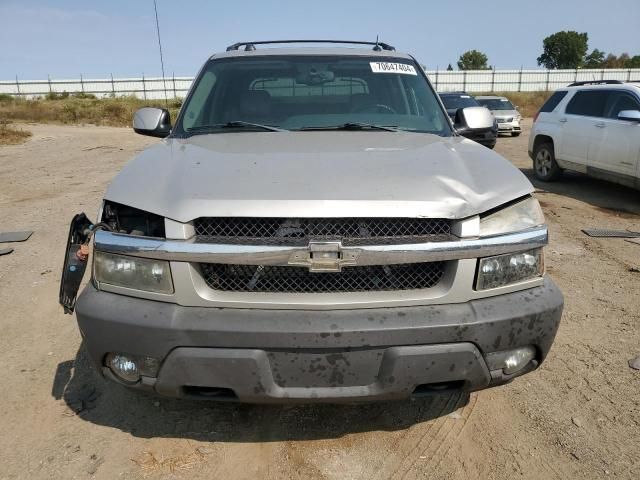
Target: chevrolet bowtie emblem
[{"x": 324, "y": 256}]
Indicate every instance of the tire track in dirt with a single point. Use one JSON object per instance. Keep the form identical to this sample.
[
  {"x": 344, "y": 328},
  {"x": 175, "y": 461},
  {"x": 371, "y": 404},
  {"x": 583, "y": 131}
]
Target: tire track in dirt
[{"x": 423, "y": 441}]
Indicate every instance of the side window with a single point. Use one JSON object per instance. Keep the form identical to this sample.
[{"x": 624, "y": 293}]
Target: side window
[
  {"x": 619, "y": 101},
  {"x": 588, "y": 103},
  {"x": 553, "y": 101}
]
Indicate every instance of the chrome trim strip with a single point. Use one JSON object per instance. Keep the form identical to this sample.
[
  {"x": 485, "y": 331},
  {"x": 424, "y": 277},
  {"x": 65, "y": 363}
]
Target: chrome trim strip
[{"x": 190, "y": 251}]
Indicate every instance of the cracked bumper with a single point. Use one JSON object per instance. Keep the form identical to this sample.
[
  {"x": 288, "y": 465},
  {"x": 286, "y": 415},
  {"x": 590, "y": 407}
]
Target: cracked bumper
[{"x": 306, "y": 355}]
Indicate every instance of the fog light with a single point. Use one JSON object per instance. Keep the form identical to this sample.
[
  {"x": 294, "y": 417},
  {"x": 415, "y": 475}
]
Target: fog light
[
  {"x": 129, "y": 368},
  {"x": 511, "y": 361},
  {"x": 124, "y": 367}
]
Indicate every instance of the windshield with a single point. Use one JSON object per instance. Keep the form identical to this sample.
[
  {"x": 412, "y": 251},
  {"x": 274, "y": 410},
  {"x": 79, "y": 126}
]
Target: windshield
[
  {"x": 299, "y": 92},
  {"x": 456, "y": 101},
  {"x": 496, "y": 103}
]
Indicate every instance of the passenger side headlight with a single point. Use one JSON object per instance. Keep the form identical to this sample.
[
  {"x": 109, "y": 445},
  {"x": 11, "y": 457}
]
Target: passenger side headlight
[
  {"x": 501, "y": 270},
  {"x": 519, "y": 216},
  {"x": 132, "y": 272}
]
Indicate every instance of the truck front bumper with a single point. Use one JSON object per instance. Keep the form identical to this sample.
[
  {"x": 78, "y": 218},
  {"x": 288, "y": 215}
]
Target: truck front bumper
[
  {"x": 509, "y": 127},
  {"x": 277, "y": 356}
]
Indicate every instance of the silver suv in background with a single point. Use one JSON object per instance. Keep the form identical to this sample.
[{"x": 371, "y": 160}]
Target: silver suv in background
[
  {"x": 313, "y": 228},
  {"x": 589, "y": 127},
  {"x": 506, "y": 114}
]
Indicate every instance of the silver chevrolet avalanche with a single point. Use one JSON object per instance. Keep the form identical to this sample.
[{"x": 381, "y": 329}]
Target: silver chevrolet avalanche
[{"x": 313, "y": 227}]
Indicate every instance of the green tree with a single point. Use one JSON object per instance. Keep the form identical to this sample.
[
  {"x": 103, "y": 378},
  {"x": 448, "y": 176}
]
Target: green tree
[
  {"x": 565, "y": 49},
  {"x": 633, "y": 62},
  {"x": 473, "y": 60},
  {"x": 449, "y": 68},
  {"x": 594, "y": 60}
]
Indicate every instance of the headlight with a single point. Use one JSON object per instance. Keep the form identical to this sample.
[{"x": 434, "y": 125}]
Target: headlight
[
  {"x": 519, "y": 216},
  {"x": 133, "y": 272},
  {"x": 501, "y": 270}
]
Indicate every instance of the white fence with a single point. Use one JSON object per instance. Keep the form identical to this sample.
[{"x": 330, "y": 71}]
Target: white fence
[
  {"x": 470, "y": 81},
  {"x": 523, "y": 80},
  {"x": 143, "y": 87}
]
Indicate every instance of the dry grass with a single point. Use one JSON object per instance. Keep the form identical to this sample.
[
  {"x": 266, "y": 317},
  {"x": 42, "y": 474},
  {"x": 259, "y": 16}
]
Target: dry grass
[
  {"x": 12, "y": 136},
  {"x": 118, "y": 112},
  {"x": 77, "y": 109},
  {"x": 150, "y": 464}
]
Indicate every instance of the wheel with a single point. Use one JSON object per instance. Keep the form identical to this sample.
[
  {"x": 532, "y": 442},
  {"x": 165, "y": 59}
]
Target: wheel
[
  {"x": 544, "y": 163},
  {"x": 515, "y": 134}
]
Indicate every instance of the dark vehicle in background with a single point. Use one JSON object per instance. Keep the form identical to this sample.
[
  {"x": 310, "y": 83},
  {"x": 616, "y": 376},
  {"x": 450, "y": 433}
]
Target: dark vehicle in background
[
  {"x": 456, "y": 101},
  {"x": 507, "y": 115}
]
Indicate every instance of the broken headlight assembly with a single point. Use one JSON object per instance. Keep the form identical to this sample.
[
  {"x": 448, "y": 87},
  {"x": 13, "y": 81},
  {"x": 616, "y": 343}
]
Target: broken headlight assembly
[
  {"x": 132, "y": 221},
  {"x": 142, "y": 274}
]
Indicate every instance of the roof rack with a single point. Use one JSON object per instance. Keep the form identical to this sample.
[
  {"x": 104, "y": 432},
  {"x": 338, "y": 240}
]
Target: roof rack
[
  {"x": 596, "y": 82},
  {"x": 250, "y": 46}
]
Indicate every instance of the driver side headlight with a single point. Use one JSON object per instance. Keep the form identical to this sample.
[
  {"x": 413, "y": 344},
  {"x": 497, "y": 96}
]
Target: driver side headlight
[
  {"x": 518, "y": 216},
  {"x": 502, "y": 270}
]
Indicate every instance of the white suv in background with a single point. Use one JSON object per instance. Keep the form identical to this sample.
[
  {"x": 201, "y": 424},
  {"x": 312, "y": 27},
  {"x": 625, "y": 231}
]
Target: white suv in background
[{"x": 589, "y": 127}]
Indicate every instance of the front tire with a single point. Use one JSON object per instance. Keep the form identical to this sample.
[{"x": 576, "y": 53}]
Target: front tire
[
  {"x": 515, "y": 134},
  {"x": 545, "y": 166}
]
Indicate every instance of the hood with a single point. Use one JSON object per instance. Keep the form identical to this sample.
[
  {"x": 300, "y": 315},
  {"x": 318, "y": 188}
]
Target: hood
[{"x": 317, "y": 174}]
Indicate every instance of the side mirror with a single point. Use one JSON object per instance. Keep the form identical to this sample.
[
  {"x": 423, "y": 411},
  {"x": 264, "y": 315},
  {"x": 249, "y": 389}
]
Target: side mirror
[
  {"x": 629, "y": 115},
  {"x": 473, "y": 118},
  {"x": 154, "y": 122}
]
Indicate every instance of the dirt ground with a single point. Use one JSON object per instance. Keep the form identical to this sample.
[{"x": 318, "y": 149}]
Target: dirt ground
[{"x": 576, "y": 417}]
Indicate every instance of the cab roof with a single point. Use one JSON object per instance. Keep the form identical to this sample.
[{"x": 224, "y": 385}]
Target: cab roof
[{"x": 293, "y": 47}]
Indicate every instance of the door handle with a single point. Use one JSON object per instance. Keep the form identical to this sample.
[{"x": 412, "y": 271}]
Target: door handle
[
  {"x": 600, "y": 125},
  {"x": 563, "y": 120}
]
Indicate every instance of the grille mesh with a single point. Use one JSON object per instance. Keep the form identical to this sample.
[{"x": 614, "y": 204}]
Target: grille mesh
[
  {"x": 300, "y": 230},
  {"x": 257, "y": 278}
]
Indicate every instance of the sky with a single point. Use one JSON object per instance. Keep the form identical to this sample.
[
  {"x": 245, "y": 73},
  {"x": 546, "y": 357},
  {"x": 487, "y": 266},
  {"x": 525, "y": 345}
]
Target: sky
[{"x": 66, "y": 38}]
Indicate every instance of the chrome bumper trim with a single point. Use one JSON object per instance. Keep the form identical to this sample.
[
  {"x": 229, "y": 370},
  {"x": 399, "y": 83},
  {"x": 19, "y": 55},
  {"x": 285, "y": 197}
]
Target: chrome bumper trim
[{"x": 190, "y": 251}]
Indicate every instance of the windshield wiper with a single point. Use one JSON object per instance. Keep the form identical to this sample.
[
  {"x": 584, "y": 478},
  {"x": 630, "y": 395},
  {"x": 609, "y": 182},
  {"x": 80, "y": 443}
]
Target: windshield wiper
[
  {"x": 355, "y": 126},
  {"x": 235, "y": 124}
]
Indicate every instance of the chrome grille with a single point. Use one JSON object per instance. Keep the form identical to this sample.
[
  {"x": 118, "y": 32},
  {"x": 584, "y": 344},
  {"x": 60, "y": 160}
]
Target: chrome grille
[
  {"x": 272, "y": 279},
  {"x": 300, "y": 230}
]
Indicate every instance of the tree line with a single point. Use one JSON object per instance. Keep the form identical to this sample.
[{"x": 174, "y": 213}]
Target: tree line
[{"x": 566, "y": 49}]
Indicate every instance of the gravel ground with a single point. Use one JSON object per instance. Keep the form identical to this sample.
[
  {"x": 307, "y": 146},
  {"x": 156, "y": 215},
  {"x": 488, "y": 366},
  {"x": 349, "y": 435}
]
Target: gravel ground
[{"x": 577, "y": 417}]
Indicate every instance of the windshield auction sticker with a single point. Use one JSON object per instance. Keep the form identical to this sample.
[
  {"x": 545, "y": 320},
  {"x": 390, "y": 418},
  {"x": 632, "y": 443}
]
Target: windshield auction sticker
[{"x": 389, "y": 67}]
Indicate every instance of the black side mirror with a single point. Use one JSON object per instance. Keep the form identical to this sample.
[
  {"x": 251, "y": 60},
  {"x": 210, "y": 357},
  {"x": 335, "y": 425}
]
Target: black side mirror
[
  {"x": 154, "y": 122},
  {"x": 473, "y": 118}
]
